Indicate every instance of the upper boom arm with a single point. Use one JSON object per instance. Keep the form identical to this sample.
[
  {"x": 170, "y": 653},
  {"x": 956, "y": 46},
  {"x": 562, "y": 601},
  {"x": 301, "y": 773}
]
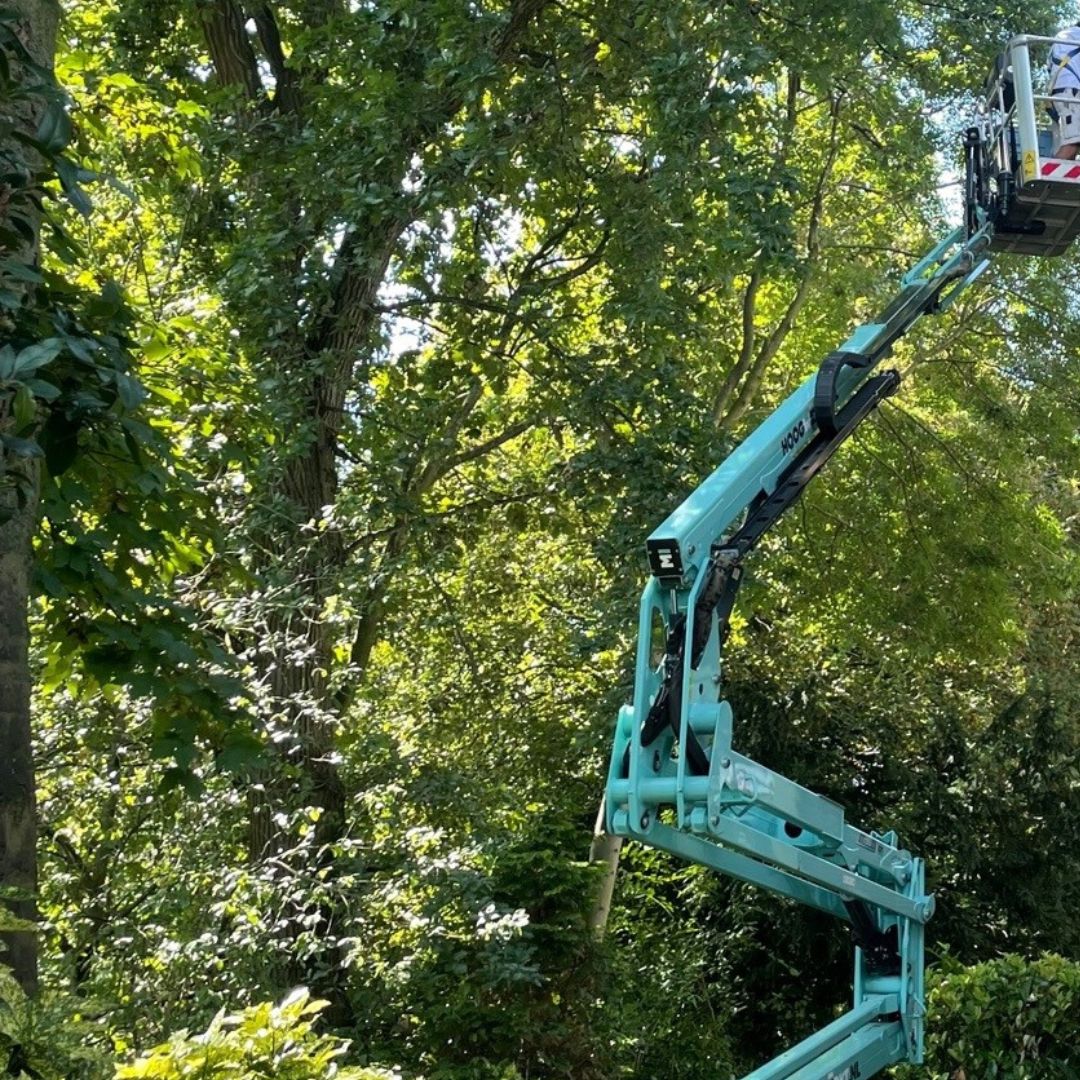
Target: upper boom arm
[{"x": 683, "y": 540}]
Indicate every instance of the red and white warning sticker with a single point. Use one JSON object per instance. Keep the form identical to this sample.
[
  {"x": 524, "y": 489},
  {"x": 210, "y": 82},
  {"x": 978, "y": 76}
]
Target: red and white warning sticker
[{"x": 1061, "y": 170}]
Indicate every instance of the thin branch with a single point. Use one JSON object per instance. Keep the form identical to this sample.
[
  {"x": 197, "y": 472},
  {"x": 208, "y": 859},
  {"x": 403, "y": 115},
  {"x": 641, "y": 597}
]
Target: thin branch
[
  {"x": 586, "y": 263},
  {"x": 487, "y": 502},
  {"x": 771, "y": 346},
  {"x": 481, "y": 449},
  {"x": 433, "y": 299},
  {"x": 746, "y": 350},
  {"x": 745, "y": 361},
  {"x": 905, "y": 487},
  {"x": 960, "y": 465}
]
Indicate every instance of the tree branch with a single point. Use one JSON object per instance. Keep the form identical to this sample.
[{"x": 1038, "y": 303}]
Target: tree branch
[
  {"x": 746, "y": 350},
  {"x": 757, "y": 274},
  {"x": 481, "y": 449},
  {"x": 522, "y": 12},
  {"x": 776, "y": 339},
  {"x": 373, "y": 606},
  {"x": 286, "y": 92},
  {"x": 230, "y": 50}
]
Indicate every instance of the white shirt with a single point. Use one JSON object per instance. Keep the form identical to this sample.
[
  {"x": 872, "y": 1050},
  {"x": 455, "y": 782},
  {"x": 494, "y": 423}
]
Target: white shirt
[{"x": 1065, "y": 69}]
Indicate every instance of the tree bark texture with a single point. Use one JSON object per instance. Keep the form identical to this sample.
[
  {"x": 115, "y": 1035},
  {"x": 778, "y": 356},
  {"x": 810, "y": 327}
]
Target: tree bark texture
[
  {"x": 230, "y": 51},
  {"x": 36, "y": 27}
]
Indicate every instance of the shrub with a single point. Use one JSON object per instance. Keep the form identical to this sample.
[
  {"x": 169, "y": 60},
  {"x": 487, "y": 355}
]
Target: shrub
[
  {"x": 265, "y": 1040},
  {"x": 54, "y": 1036},
  {"x": 1010, "y": 1018}
]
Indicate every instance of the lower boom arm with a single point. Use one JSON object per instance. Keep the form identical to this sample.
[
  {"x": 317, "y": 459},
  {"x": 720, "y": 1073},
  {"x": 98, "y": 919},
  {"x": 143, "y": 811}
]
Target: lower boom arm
[{"x": 675, "y": 781}]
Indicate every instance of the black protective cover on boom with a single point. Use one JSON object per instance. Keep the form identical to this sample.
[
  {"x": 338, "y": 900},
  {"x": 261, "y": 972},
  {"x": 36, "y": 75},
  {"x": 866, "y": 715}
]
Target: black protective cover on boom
[
  {"x": 725, "y": 570},
  {"x": 881, "y": 948},
  {"x": 1002, "y": 70},
  {"x": 825, "y": 388}
]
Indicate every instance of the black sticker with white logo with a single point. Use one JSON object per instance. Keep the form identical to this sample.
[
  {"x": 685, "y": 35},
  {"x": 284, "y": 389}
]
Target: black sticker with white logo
[{"x": 665, "y": 559}]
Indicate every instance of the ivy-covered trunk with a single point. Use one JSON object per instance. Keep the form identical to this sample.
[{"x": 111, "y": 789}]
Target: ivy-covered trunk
[
  {"x": 18, "y": 832},
  {"x": 31, "y": 26}
]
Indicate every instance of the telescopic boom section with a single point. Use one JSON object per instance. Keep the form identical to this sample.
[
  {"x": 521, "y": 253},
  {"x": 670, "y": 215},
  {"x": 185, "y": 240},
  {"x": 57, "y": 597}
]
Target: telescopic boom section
[{"x": 675, "y": 781}]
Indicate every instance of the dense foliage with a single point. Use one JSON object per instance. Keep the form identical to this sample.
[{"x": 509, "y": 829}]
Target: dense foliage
[
  {"x": 1009, "y": 1018},
  {"x": 371, "y": 340}
]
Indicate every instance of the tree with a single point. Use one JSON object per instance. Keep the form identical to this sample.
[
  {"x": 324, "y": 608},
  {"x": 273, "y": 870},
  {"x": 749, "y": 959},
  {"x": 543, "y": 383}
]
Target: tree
[
  {"x": 28, "y": 37},
  {"x": 81, "y": 477}
]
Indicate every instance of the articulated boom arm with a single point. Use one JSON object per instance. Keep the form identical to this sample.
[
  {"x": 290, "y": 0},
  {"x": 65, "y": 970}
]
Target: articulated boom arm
[{"x": 675, "y": 781}]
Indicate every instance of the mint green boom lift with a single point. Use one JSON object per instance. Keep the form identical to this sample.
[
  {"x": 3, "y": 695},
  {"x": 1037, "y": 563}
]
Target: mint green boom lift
[{"x": 676, "y": 781}]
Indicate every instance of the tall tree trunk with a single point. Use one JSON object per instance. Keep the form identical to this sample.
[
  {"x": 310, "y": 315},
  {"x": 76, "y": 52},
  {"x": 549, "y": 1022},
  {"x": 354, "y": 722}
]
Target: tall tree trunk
[
  {"x": 326, "y": 360},
  {"x": 18, "y": 828},
  {"x": 335, "y": 345},
  {"x": 36, "y": 27}
]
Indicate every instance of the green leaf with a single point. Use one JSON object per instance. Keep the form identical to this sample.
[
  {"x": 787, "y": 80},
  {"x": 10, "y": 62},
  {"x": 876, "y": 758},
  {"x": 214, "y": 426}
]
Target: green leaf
[
  {"x": 64, "y": 246},
  {"x": 81, "y": 348},
  {"x": 15, "y": 268},
  {"x": 186, "y": 107},
  {"x": 21, "y": 448},
  {"x": 175, "y": 777},
  {"x": 24, "y": 408},
  {"x": 37, "y": 355},
  {"x": 10, "y": 922},
  {"x": 133, "y": 449},
  {"x": 70, "y": 177},
  {"x": 132, "y": 394},
  {"x": 49, "y": 583},
  {"x": 54, "y": 129},
  {"x": 155, "y": 349},
  {"x": 138, "y": 430},
  {"x": 43, "y": 390},
  {"x": 242, "y": 749}
]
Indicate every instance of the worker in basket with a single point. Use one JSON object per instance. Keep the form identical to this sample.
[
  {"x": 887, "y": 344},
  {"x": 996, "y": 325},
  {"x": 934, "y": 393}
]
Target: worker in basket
[{"x": 1064, "y": 67}]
